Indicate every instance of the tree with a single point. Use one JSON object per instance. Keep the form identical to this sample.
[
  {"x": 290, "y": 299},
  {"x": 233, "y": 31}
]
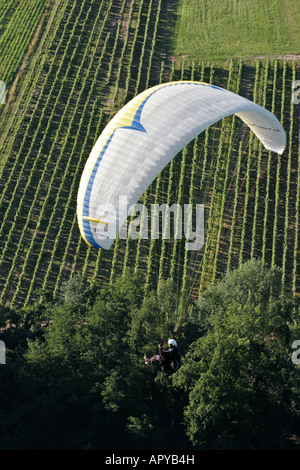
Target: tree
[
  {"x": 73, "y": 291},
  {"x": 239, "y": 374},
  {"x": 88, "y": 378}
]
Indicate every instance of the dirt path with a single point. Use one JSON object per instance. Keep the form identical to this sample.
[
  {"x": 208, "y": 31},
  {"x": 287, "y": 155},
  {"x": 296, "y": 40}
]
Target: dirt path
[{"x": 283, "y": 57}]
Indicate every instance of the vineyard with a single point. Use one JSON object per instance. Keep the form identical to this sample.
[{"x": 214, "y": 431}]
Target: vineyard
[{"x": 75, "y": 64}]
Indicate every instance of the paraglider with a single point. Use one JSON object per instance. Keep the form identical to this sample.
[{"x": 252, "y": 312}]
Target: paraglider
[
  {"x": 169, "y": 359},
  {"x": 140, "y": 141},
  {"x": 144, "y": 136}
]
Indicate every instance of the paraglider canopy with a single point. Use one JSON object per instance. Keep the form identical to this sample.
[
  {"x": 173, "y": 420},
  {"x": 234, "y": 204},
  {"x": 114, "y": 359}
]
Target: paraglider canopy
[{"x": 143, "y": 138}]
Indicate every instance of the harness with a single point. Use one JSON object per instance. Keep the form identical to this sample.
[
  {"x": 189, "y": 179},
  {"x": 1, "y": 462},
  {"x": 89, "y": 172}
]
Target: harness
[{"x": 173, "y": 363}]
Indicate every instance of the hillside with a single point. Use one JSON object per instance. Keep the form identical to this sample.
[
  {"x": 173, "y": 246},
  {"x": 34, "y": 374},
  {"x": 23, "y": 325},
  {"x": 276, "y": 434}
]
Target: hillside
[{"x": 80, "y": 63}]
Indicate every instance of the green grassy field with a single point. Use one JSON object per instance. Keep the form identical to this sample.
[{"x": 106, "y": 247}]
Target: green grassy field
[{"x": 222, "y": 29}]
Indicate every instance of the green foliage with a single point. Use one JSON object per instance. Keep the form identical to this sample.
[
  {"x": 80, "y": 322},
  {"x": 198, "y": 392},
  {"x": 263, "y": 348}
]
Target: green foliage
[
  {"x": 73, "y": 290},
  {"x": 239, "y": 374},
  {"x": 79, "y": 380},
  {"x": 155, "y": 320},
  {"x": 83, "y": 378}
]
